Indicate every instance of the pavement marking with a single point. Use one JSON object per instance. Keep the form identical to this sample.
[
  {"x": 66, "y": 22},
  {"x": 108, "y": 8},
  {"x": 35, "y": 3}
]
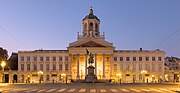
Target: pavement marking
[
  {"x": 92, "y": 90},
  {"x": 82, "y": 90},
  {"x": 125, "y": 90},
  {"x": 103, "y": 90},
  {"x": 169, "y": 91},
  {"x": 146, "y": 90},
  {"x": 32, "y": 90},
  {"x": 61, "y": 90},
  {"x": 72, "y": 90},
  {"x": 41, "y": 90},
  {"x": 135, "y": 90},
  {"x": 50, "y": 90},
  {"x": 114, "y": 90},
  {"x": 155, "y": 90}
]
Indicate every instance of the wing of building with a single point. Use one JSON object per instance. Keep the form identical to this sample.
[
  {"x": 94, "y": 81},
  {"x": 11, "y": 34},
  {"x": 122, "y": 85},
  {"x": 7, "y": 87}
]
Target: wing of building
[{"x": 71, "y": 64}]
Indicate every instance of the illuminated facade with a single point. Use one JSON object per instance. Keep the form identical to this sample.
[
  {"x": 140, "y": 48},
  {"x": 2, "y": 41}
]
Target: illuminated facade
[{"x": 71, "y": 64}]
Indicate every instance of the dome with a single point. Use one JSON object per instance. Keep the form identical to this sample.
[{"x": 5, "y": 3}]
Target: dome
[{"x": 91, "y": 15}]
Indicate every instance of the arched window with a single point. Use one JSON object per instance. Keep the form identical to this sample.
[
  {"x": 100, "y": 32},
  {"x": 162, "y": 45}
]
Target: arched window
[
  {"x": 85, "y": 27},
  {"x": 22, "y": 78},
  {"x": 91, "y": 26},
  {"x": 97, "y": 27}
]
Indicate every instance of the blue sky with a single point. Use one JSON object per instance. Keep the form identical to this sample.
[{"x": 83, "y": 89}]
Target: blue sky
[{"x": 53, "y": 24}]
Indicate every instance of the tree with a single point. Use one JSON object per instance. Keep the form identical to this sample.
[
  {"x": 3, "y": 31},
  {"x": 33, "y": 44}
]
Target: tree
[
  {"x": 12, "y": 62},
  {"x": 3, "y": 54}
]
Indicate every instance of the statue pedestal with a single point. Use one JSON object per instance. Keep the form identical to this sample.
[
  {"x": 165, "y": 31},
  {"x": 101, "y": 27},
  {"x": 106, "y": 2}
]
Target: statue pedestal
[{"x": 91, "y": 77}]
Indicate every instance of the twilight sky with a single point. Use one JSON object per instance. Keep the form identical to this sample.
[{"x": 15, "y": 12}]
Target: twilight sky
[{"x": 53, "y": 24}]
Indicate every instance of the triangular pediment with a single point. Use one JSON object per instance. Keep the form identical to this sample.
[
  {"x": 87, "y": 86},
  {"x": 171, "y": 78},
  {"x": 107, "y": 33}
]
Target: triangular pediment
[{"x": 91, "y": 44}]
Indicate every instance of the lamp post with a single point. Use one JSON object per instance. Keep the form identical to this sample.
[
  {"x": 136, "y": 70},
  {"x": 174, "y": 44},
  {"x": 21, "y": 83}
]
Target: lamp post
[
  {"x": 3, "y": 65},
  {"x": 143, "y": 72},
  {"x": 40, "y": 73}
]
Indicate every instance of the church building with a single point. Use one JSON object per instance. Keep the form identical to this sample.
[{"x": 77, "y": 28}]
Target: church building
[{"x": 61, "y": 66}]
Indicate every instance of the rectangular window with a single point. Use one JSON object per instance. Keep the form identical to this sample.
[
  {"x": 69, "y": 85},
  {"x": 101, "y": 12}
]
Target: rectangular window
[
  {"x": 134, "y": 58},
  {"x": 134, "y": 67},
  {"x": 35, "y": 58},
  {"x": 140, "y": 67},
  {"x": 28, "y": 67},
  {"x": 159, "y": 58},
  {"x": 153, "y": 67},
  {"x": 47, "y": 58},
  {"x": 47, "y": 67},
  {"x": 146, "y": 67},
  {"x": 147, "y": 58},
  {"x": 127, "y": 59},
  {"x": 115, "y": 58},
  {"x": 54, "y": 66},
  {"x": 115, "y": 67},
  {"x": 22, "y": 66},
  {"x": 160, "y": 67},
  {"x": 140, "y": 77},
  {"x": 41, "y": 66},
  {"x": 28, "y": 58},
  {"x": 121, "y": 58},
  {"x": 66, "y": 67},
  {"x": 153, "y": 59},
  {"x": 66, "y": 58},
  {"x": 54, "y": 58},
  {"x": 41, "y": 59},
  {"x": 35, "y": 66},
  {"x": 60, "y": 67},
  {"x": 60, "y": 58},
  {"x": 121, "y": 67},
  {"x": 140, "y": 58},
  {"x": 22, "y": 58}
]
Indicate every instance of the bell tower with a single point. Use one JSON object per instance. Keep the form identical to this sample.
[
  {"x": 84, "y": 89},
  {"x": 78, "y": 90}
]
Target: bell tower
[{"x": 91, "y": 25}]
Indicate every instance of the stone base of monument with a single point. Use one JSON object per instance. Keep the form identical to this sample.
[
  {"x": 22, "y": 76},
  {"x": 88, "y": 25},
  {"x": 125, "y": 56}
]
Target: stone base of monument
[{"x": 91, "y": 77}]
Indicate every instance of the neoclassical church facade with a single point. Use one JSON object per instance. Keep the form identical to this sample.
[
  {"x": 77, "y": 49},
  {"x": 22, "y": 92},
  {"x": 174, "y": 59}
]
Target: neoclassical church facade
[{"x": 64, "y": 65}]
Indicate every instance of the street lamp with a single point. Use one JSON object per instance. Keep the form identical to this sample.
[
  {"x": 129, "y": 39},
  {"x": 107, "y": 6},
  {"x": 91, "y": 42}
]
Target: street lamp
[
  {"x": 3, "y": 65},
  {"x": 143, "y": 72},
  {"x": 119, "y": 77},
  {"x": 40, "y": 73}
]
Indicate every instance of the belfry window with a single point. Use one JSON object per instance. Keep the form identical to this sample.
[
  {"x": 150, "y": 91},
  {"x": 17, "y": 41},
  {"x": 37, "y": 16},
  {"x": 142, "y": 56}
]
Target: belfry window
[{"x": 91, "y": 26}]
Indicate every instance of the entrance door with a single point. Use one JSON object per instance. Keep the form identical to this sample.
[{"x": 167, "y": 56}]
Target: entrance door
[
  {"x": 15, "y": 78},
  {"x": 6, "y": 78}
]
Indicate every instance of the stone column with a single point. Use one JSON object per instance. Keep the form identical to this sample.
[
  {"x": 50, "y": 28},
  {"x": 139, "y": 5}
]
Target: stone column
[
  {"x": 78, "y": 66},
  {"x": 103, "y": 66},
  {"x": 86, "y": 58},
  {"x": 96, "y": 64},
  {"x": 111, "y": 60}
]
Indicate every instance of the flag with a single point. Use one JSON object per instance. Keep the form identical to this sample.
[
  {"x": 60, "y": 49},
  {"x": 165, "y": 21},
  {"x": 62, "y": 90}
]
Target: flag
[{"x": 87, "y": 51}]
